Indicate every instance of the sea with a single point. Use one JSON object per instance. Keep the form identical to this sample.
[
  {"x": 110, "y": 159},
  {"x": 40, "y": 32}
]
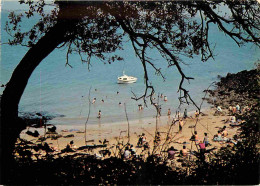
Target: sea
[{"x": 61, "y": 91}]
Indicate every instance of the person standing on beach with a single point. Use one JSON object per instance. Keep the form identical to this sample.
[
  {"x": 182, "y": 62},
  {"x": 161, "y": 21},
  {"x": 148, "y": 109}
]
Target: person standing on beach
[
  {"x": 181, "y": 123},
  {"x": 185, "y": 115},
  {"x": 202, "y": 150},
  {"x": 196, "y": 114},
  {"x": 206, "y": 139},
  {"x": 169, "y": 113},
  {"x": 159, "y": 111},
  {"x": 140, "y": 107},
  {"x": 99, "y": 114},
  {"x": 178, "y": 115},
  {"x": 41, "y": 120}
]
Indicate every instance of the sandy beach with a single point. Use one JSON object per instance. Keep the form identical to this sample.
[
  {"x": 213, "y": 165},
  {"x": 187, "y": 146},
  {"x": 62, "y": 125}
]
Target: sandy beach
[{"x": 118, "y": 133}]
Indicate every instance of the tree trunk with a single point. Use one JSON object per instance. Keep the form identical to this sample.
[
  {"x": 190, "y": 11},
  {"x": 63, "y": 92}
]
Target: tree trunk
[{"x": 11, "y": 126}]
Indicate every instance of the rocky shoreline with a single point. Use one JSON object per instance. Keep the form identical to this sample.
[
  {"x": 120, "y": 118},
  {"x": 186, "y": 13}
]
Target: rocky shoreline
[{"x": 241, "y": 88}]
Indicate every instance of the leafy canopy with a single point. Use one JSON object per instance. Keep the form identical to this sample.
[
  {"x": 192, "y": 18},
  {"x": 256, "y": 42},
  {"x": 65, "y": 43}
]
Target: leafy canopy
[{"x": 174, "y": 28}]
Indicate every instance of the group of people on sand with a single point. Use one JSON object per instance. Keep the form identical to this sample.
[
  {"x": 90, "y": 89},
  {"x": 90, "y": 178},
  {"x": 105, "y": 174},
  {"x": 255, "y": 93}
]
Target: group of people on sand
[
  {"x": 201, "y": 144},
  {"x": 141, "y": 140},
  {"x": 130, "y": 152},
  {"x": 234, "y": 109},
  {"x": 172, "y": 152}
]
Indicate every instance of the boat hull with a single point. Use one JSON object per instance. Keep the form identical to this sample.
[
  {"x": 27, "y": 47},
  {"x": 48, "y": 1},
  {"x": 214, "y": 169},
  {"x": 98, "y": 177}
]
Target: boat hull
[
  {"x": 125, "y": 82},
  {"x": 126, "y": 79}
]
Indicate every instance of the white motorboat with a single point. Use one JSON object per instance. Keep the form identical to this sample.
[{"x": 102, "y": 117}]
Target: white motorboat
[{"x": 126, "y": 79}]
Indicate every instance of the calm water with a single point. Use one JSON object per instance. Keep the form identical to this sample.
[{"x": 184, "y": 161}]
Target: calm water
[{"x": 61, "y": 90}]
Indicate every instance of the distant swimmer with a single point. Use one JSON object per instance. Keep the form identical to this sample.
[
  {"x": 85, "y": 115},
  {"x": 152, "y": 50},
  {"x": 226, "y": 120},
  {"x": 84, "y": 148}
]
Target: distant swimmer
[
  {"x": 120, "y": 103},
  {"x": 95, "y": 89},
  {"x": 165, "y": 98},
  {"x": 102, "y": 100},
  {"x": 99, "y": 114},
  {"x": 161, "y": 96},
  {"x": 117, "y": 92},
  {"x": 94, "y": 100}
]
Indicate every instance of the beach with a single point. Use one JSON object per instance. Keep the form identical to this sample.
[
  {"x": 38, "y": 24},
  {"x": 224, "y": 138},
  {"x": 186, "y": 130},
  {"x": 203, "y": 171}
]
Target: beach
[{"x": 116, "y": 133}]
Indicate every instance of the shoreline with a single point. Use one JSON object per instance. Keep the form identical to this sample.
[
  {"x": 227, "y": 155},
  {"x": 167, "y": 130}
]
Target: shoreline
[{"x": 80, "y": 121}]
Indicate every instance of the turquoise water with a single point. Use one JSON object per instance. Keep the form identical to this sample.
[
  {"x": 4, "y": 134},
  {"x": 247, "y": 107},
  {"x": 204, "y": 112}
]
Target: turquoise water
[{"x": 60, "y": 90}]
